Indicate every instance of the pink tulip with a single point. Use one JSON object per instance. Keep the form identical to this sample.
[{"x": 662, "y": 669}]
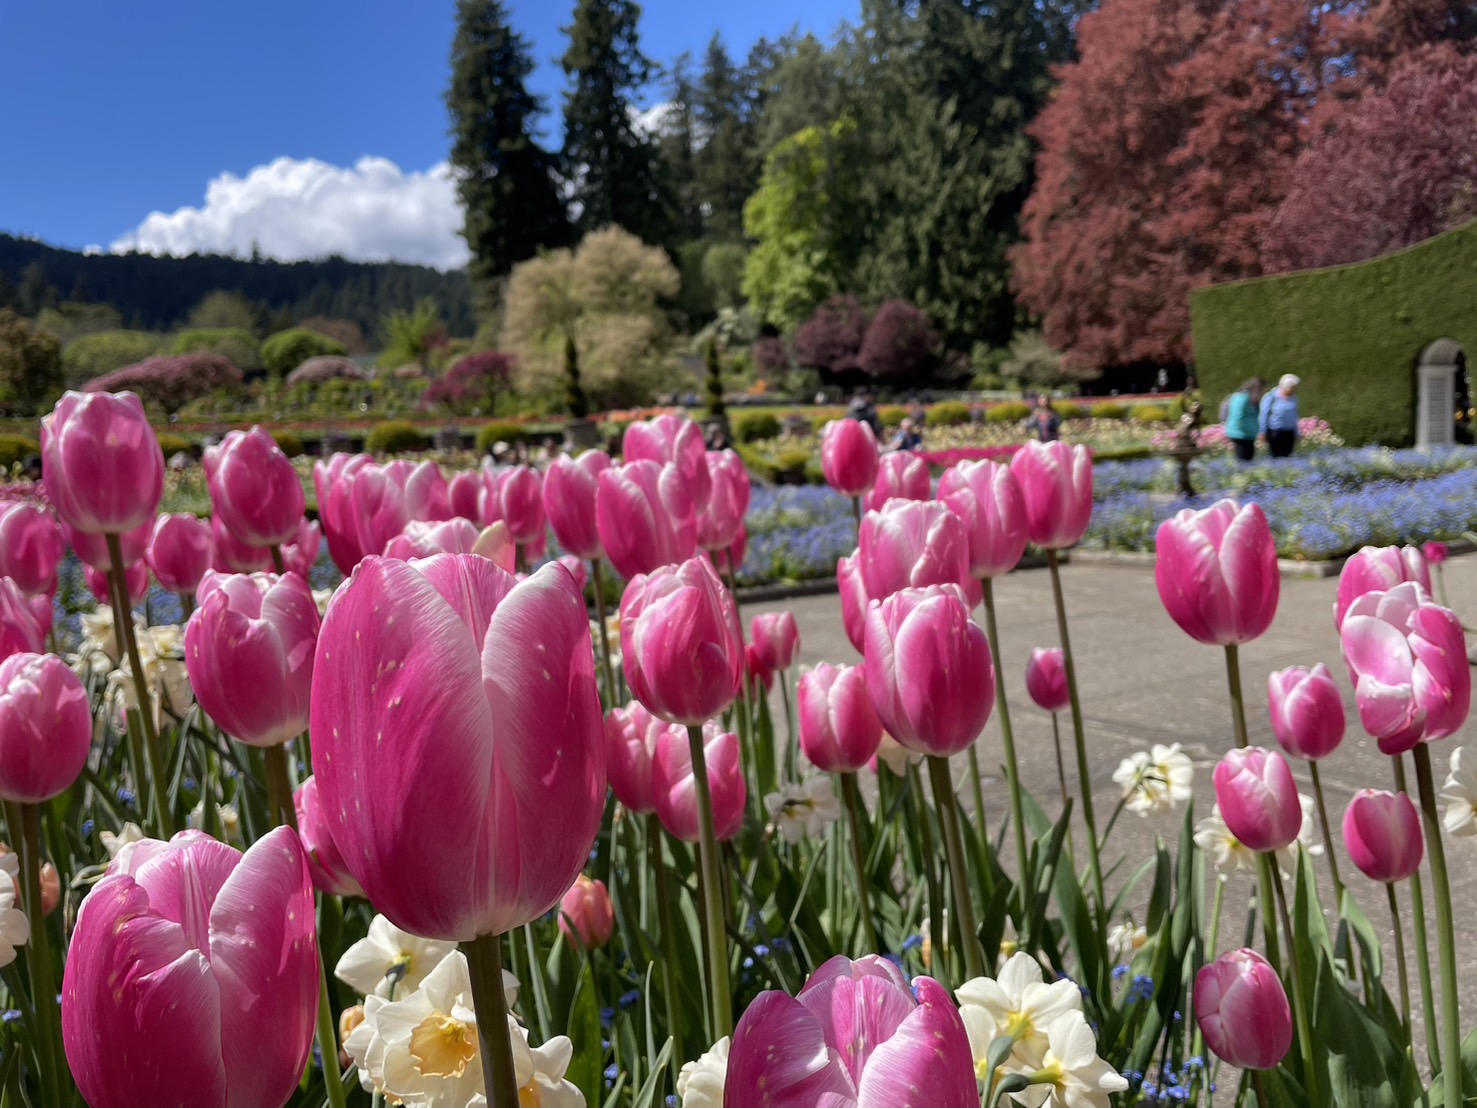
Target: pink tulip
[
  {"x": 776, "y": 638},
  {"x": 680, "y": 642},
  {"x": 385, "y": 498},
  {"x": 1382, "y": 832},
  {"x": 45, "y": 727},
  {"x": 517, "y": 498},
  {"x": 576, "y": 569},
  {"x": 325, "y": 863},
  {"x": 901, "y": 475},
  {"x": 231, "y": 555},
  {"x": 464, "y": 495},
  {"x": 1258, "y": 798},
  {"x": 470, "y": 698},
  {"x": 496, "y": 545},
  {"x": 1436, "y": 553},
  {"x": 43, "y": 609},
  {"x": 1307, "y": 711},
  {"x": 92, "y": 549},
  {"x": 333, "y": 482},
  {"x": 728, "y": 561},
  {"x": 1056, "y": 481},
  {"x": 570, "y": 486},
  {"x": 1046, "y": 679},
  {"x": 254, "y": 487},
  {"x": 1407, "y": 657},
  {"x": 31, "y": 547},
  {"x": 585, "y": 913},
  {"x": 674, "y": 789},
  {"x": 719, "y": 521},
  {"x": 1242, "y": 1010},
  {"x": 630, "y": 745},
  {"x": 856, "y": 1036},
  {"x": 20, "y": 631},
  {"x": 1217, "y": 572},
  {"x": 180, "y": 551},
  {"x": 301, "y": 555},
  {"x": 645, "y": 516},
  {"x": 674, "y": 440},
  {"x": 910, "y": 544},
  {"x": 849, "y": 457},
  {"x": 422, "y": 539},
  {"x": 759, "y": 673},
  {"x": 1378, "y": 569},
  {"x": 135, "y": 576},
  {"x": 192, "y": 976},
  {"x": 249, "y": 653},
  {"x": 928, "y": 670},
  {"x": 839, "y": 728},
  {"x": 854, "y": 598},
  {"x": 988, "y": 501},
  {"x": 104, "y": 471}
]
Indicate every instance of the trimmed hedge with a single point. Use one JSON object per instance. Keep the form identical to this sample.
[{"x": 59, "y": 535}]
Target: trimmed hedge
[
  {"x": 1353, "y": 333},
  {"x": 1011, "y": 411},
  {"x": 288, "y": 442},
  {"x": 500, "y": 431},
  {"x": 286, "y": 350},
  {"x": 239, "y": 346},
  {"x": 1109, "y": 409},
  {"x": 1069, "y": 409},
  {"x": 755, "y": 427},
  {"x": 15, "y": 449},
  {"x": 171, "y": 444},
  {"x": 1149, "y": 413},
  {"x": 395, "y": 436},
  {"x": 892, "y": 415},
  {"x": 948, "y": 413}
]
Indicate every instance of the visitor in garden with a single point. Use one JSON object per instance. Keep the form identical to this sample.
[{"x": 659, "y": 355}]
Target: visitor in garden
[
  {"x": 1279, "y": 417},
  {"x": 1243, "y": 419},
  {"x": 907, "y": 437},
  {"x": 1045, "y": 423},
  {"x": 863, "y": 409}
]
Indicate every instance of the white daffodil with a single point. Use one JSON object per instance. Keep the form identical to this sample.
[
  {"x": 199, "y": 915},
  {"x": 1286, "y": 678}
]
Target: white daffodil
[
  {"x": 1232, "y": 856},
  {"x": 98, "y": 638},
  {"x": 896, "y": 757},
  {"x": 1460, "y": 793},
  {"x": 15, "y": 928},
  {"x": 229, "y": 817},
  {"x": 1071, "y": 1074},
  {"x": 804, "y": 809},
  {"x": 389, "y": 962},
  {"x": 165, "y": 667},
  {"x": 539, "y": 1071},
  {"x": 1125, "y": 940},
  {"x": 1155, "y": 780},
  {"x": 1017, "y": 1003},
  {"x": 700, "y": 1084},
  {"x": 128, "y": 833}
]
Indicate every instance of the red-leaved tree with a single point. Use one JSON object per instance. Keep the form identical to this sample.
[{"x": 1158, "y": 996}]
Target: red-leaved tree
[
  {"x": 830, "y": 341},
  {"x": 475, "y": 381},
  {"x": 899, "y": 343}
]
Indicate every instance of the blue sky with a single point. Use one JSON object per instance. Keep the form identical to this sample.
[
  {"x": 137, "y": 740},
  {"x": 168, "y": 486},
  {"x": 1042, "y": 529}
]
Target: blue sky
[{"x": 118, "y": 110}]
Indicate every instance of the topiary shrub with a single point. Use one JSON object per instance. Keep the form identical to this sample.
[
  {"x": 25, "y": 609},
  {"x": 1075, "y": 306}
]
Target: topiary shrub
[
  {"x": 1149, "y": 413},
  {"x": 238, "y": 345},
  {"x": 101, "y": 352},
  {"x": 755, "y": 427},
  {"x": 759, "y": 464},
  {"x": 171, "y": 444},
  {"x": 791, "y": 465},
  {"x": 1069, "y": 410},
  {"x": 948, "y": 413},
  {"x": 327, "y": 367},
  {"x": 500, "y": 431},
  {"x": 892, "y": 414},
  {"x": 1109, "y": 409},
  {"x": 286, "y": 350},
  {"x": 1012, "y": 411},
  {"x": 288, "y": 442},
  {"x": 395, "y": 436},
  {"x": 15, "y": 449}
]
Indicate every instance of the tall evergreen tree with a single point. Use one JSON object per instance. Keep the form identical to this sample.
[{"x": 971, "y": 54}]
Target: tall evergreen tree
[
  {"x": 506, "y": 182},
  {"x": 676, "y": 140},
  {"x": 727, "y": 163}
]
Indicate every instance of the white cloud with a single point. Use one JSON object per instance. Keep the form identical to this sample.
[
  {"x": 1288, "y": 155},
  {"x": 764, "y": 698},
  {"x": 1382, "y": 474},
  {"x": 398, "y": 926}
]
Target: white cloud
[{"x": 294, "y": 209}]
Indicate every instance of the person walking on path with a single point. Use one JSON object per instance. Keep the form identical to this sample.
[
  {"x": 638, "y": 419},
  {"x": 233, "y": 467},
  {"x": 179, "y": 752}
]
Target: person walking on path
[
  {"x": 1044, "y": 423},
  {"x": 864, "y": 410},
  {"x": 1243, "y": 418},
  {"x": 1279, "y": 417}
]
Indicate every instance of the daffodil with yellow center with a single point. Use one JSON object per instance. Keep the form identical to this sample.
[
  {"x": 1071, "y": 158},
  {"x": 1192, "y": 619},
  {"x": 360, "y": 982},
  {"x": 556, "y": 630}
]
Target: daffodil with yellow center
[{"x": 1018, "y": 1003}]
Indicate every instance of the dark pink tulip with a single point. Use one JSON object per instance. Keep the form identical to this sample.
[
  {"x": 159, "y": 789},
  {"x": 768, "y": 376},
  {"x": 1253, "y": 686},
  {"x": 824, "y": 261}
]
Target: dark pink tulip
[
  {"x": 758, "y": 672},
  {"x": 674, "y": 440},
  {"x": 988, "y": 501},
  {"x": 1258, "y": 798},
  {"x": 570, "y": 485},
  {"x": 92, "y": 549},
  {"x": 1217, "y": 572},
  {"x": 901, "y": 475},
  {"x": 1382, "y": 831},
  {"x": 910, "y": 544},
  {"x": 422, "y": 539},
  {"x": 585, "y": 913},
  {"x": 849, "y": 457},
  {"x": 719, "y": 520},
  {"x": 470, "y": 697},
  {"x": 674, "y": 790},
  {"x": 254, "y": 487},
  {"x": 31, "y": 547},
  {"x": 1407, "y": 657},
  {"x": 1242, "y": 1010},
  {"x": 180, "y": 551},
  {"x": 776, "y": 638},
  {"x": 1378, "y": 569},
  {"x": 856, "y": 1036},
  {"x": 839, "y": 728},
  {"x": 681, "y": 645},
  {"x": 1436, "y": 553},
  {"x": 192, "y": 976},
  {"x": 45, "y": 727},
  {"x": 728, "y": 561},
  {"x": 104, "y": 471},
  {"x": 43, "y": 608},
  {"x": 325, "y": 863},
  {"x": 464, "y": 495},
  {"x": 1307, "y": 711},
  {"x": 517, "y": 498},
  {"x": 20, "y": 631},
  {"x": 135, "y": 576},
  {"x": 1056, "y": 481},
  {"x": 1046, "y": 679},
  {"x": 576, "y": 569},
  {"x": 928, "y": 670},
  {"x": 301, "y": 555},
  {"x": 385, "y": 498},
  {"x": 854, "y": 598},
  {"x": 630, "y": 745},
  {"x": 231, "y": 555},
  {"x": 249, "y": 653},
  {"x": 645, "y": 516},
  {"x": 334, "y": 483}
]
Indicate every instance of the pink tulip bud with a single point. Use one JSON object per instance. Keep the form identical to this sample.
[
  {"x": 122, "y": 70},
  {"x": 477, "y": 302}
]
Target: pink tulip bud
[
  {"x": 1242, "y": 1010},
  {"x": 928, "y": 670},
  {"x": 1046, "y": 679},
  {"x": 645, "y": 516},
  {"x": 31, "y": 547},
  {"x": 576, "y": 569},
  {"x": 469, "y": 697},
  {"x": 776, "y": 637},
  {"x": 680, "y": 642},
  {"x": 92, "y": 549},
  {"x": 180, "y": 551},
  {"x": 1217, "y": 572},
  {"x": 1378, "y": 569},
  {"x": 759, "y": 673},
  {"x": 45, "y": 727},
  {"x": 988, "y": 501},
  {"x": 839, "y": 728},
  {"x": 1258, "y": 798},
  {"x": 630, "y": 745},
  {"x": 672, "y": 440},
  {"x": 249, "y": 653},
  {"x": 464, "y": 495},
  {"x": 231, "y": 555},
  {"x": 325, "y": 863},
  {"x": 192, "y": 975},
  {"x": 728, "y": 561},
  {"x": 517, "y": 498},
  {"x": 1382, "y": 832},
  {"x": 1407, "y": 657},
  {"x": 51, "y": 889},
  {"x": 854, "y": 598},
  {"x": 43, "y": 609},
  {"x": 1307, "y": 711},
  {"x": 901, "y": 475},
  {"x": 383, "y": 499},
  {"x": 674, "y": 788},
  {"x": 570, "y": 487},
  {"x": 1436, "y": 553},
  {"x": 135, "y": 576},
  {"x": 254, "y": 487},
  {"x": 104, "y": 471},
  {"x": 20, "y": 631},
  {"x": 333, "y": 481},
  {"x": 585, "y": 914},
  {"x": 1056, "y": 481},
  {"x": 910, "y": 544},
  {"x": 422, "y": 539},
  {"x": 301, "y": 555},
  {"x": 720, "y": 519},
  {"x": 849, "y": 457}
]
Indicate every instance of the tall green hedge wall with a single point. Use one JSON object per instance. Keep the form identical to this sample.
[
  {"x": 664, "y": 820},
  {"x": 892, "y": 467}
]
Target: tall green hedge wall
[{"x": 1353, "y": 333}]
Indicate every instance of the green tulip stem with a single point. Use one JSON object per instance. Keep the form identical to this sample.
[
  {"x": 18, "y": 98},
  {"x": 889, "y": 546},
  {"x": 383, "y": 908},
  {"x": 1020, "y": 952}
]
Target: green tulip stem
[
  {"x": 279, "y": 787},
  {"x": 1299, "y": 996},
  {"x": 600, "y": 617},
  {"x": 948, "y": 809},
  {"x": 26, "y": 818},
  {"x": 490, "y": 1003},
  {"x": 1451, "y": 1028},
  {"x": 668, "y": 931},
  {"x": 851, "y": 796},
  {"x": 133, "y": 732},
  {"x": 278, "y": 565},
  {"x": 856, "y": 514},
  {"x": 333, "y": 1079},
  {"x": 1400, "y": 961},
  {"x": 918, "y": 817},
  {"x": 1267, "y": 903},
  {"x": 1238, "y": 704},
  {"x": 1333, "y": 865},
  {"x": 1422, "y": 950},
  {"x": 720, "y": 1003},
  {"x": 1012, "y": 767}
]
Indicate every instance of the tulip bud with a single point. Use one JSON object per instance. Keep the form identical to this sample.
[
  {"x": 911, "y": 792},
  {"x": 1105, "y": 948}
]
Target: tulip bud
[
  {"x": 1378, "y": 569},
  {"x": 104, "y": 471},
  {"x": 51, "y": 888},
  {"x": 675, "y": 790},
  {"x": 517, "y": 498},
  {"x": 1217, "y": 572},
  {"x": 1056, "y": 482},
  {"x": 180, "y": 551},
  {"x": 645, "y": 516},
  {"x": 1436, "y": 553},
  {"x": 254, "y": 487},
  {"x": 92, "y": 549},
  {"x": 839, "y": 728},
  {"x": 43, "y": 611},
  {"x": 776, "y": 638},
  {"x": 464, "y": 495},
  {"x": 585, "y": 914},
  {"x": 45, "y": 727},
  {"x": 301, "y": 555},
  {"x": 672, "y": 440},
  {"x": 350, "y": 1018},
  {"x": 570, "y": 488},
  {"x": 576, "y": 569},
  {"x": 720, "y": 519},
  {"x": 910, "y": 544},
  {"x": 901, "y": 475},
  {"x": 333, "y": 482},
  {"x": 1242, "y": 1010},
  {"x": 757, "y": 670},
  {"x": 1046, "y": 679},
  {"x": 422, "y": 539},
  {"x": 630, "y": 744},
  {"x": 136, "y": 579},
  {"x": 854, "y": 598},
  {"x": 231, "y": 555},
  {"x": 728, "y": 561},
  {"x": 31, "y": 547},
  {"x": 20, "y": 631},
  {"x": 1382, "y": 832},
  {"x": 1307, "y": 711},
  {"x": 325, "y": 862},
  {"x": 849, "y": 456},
  {"x": 1258, "y": 798},
  {"x": 988, "y": 501}
]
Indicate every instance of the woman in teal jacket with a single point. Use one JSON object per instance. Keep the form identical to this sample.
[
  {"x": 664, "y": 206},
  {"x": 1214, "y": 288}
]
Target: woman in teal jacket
[{"x": 1243, "y": 418}]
